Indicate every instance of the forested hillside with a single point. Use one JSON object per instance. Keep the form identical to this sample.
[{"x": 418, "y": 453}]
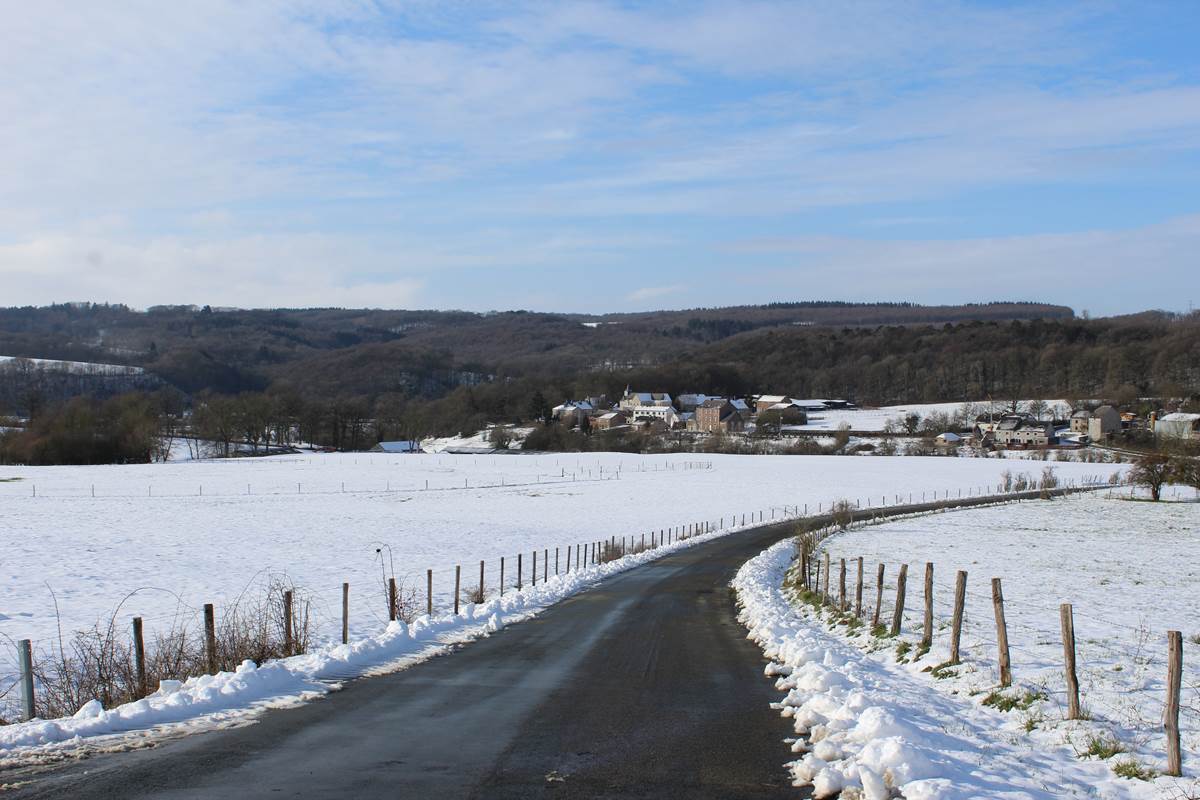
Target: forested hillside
[{"x": 413, "y": 373}]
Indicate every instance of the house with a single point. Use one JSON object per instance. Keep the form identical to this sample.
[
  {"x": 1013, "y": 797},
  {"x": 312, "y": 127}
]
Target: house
[
  {"x": 571, "y": 412},
  {"x": 665, "y": 414},
  {"x": 1022, "y": 430},
  {"x": 1179, "y": 425},
  {"x": 948, "y": 438},
  {"x": 783, "y": 414},
  {"x": 717, "y": 415},
  {"x": 397, "y": 447},
  {"x": 1105, "y": 422},
  {"x": 632, "y": 400},
  {"x": 1098, "y": 424},
  {"x": 742, "y": 407},
  {"x": 612, "y": 419},
  {"x": 690, "y": 402},
  {"x": 765, "y": 401}
]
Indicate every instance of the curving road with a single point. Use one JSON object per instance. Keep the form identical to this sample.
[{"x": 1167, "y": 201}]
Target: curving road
[{"x": 642, "y": 687}]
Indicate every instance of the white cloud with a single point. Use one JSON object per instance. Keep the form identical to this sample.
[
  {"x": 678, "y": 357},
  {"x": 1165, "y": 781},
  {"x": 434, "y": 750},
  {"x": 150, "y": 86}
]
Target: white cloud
[{"x": 653, "y": 292}]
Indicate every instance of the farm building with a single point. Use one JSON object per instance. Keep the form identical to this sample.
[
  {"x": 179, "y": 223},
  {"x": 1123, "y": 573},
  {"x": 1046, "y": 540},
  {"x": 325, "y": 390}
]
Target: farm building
[
  {"x": 1179, "y": 425},
  {"x": 397, "y": 447}
]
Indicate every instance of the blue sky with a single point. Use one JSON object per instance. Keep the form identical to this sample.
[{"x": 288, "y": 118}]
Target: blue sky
[{"x": 600, "y": 156}]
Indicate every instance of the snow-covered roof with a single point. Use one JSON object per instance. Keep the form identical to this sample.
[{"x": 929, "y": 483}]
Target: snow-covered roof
[
  {"x": 740, "y": 405},
  {"x": 1180, "y": 416},
  {"x": 772, "y": 398},
  {"x": 949, "y": 436},
  {"x": 399, "y": 447},
  {"x": 612, "y": 415}
]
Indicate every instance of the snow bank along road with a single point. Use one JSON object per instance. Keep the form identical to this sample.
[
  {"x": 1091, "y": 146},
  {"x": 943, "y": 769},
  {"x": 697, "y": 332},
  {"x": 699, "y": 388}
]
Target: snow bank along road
[{"x": 644, "y": 686}]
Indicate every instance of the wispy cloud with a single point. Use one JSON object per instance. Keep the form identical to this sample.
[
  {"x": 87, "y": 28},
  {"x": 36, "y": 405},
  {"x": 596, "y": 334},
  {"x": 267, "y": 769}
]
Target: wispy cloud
[
  {"x": 652, "y": 293},
  {"x": 381, "y": 151}
]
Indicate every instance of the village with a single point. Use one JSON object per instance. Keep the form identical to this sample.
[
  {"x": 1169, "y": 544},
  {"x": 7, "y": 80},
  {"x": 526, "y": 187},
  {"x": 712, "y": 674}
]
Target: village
[{"x": 1008, "y": 425}]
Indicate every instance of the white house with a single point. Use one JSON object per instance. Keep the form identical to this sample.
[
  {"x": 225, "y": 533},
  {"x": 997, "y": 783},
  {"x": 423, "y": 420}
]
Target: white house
[{"x": 665, "y": 413}]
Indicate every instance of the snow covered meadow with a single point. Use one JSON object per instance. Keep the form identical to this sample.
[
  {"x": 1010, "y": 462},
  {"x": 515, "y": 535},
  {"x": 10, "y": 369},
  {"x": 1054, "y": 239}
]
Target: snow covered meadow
[
  {"x": 878, "y": 419},
  {"x": 182, "y": 534},
  {"x": 1130, "y": 569}
]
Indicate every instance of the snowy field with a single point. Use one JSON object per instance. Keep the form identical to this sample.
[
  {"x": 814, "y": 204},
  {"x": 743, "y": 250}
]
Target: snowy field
[
  {"x": 1131, "y": 571},
  {"x": 179, "y": 535},
  {"x": 876, "y": 419}
]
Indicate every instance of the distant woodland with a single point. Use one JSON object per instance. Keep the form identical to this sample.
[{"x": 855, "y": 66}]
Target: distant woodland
[{"x": 348, "y": 377}]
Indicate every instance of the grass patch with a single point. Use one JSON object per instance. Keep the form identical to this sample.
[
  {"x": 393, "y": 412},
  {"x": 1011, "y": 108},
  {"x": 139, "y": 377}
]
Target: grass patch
[
  {"x": 1000, "y": 701},
  {"x": 1103, "y": 746},
  {"x": 1129, "y": 768},
  {"x": 879, "y": 631},
  {"x": 944, "y": 670},
  {"x": 902, "y": 650}
]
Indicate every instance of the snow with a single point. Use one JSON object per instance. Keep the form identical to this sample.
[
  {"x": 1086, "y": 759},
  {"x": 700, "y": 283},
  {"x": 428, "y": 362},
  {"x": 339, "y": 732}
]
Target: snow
[
  {"x": 871, "y": 714},
  {"x": 876, "y": 419},
  {"x": 207, "y": 701},
  {"x": 178, "y": 535},
  {"x": 88, "y": 367}
]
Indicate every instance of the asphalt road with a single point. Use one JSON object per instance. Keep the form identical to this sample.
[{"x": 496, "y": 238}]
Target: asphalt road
[{"x": 642, "y": 687}]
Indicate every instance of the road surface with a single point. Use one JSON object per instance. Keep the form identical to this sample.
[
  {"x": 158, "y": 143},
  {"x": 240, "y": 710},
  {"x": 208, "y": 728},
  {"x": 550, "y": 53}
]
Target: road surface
[{"x": 644, "y": 686}]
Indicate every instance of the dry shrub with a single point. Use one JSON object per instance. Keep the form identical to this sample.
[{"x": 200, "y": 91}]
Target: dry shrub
[{"x": 99, "y": 663}]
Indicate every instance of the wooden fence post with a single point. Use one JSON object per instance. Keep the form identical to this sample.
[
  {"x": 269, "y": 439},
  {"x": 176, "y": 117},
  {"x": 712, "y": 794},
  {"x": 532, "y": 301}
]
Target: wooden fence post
[
  {"x": 457, "y": 586},
  {"x": 556, "y": 561},
  {"x": 210, "y": 636},
  {"x": 546, "y": 565},
  {"x": 502, "y": 576},
  {"x": 289, "y": 641},
  {"x": 842, "y": 587},
  {"x": 345, "y": 613},
  {"x": 429, "y": 592},
  {"x": 25, "y": 653},
  {"x": 960, "y": 601},
  {"x": 1001, "y": 633},
  {"x": 520, "y": 569},
  {"x": 901, "y": 587},
  {"x": 927, "y": 634},
  {"x": 482, "y": 595},
  {"x": 1066, "y": 616},
  {"x": 858, "y": 587},
  {"x": 139, "y": 656},
  {"x": 825, "y": 585},
  {"x": 533, "y": 572},
  {"x": 1171, "y": 712},
  {"x": 878, "y": 596},
  {"x": 817, "y": 580}
]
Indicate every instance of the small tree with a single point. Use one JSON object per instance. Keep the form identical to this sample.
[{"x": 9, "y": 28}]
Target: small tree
[
  {"x": 1153, "y": 471},
  {"x": 500, "y": 437},
  {"x": 912, "y": 423},
  {"x": 539, "y": 409}
]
